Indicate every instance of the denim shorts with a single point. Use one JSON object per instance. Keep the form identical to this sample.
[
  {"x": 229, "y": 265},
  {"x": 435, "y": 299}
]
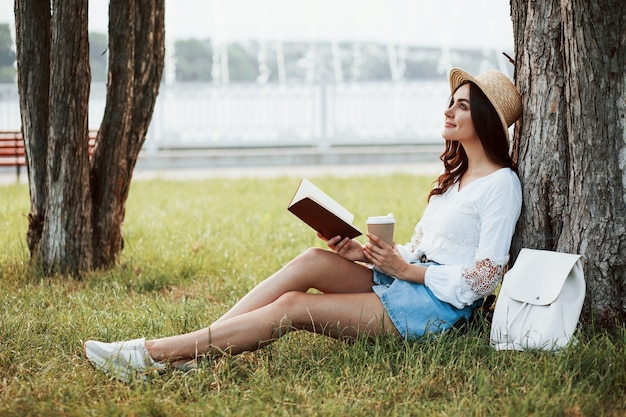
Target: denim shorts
[{"x": 413, "y": 308}]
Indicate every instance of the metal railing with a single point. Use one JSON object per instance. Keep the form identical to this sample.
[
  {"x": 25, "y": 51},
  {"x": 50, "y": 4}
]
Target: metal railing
[{"x": 202, "y": 115}]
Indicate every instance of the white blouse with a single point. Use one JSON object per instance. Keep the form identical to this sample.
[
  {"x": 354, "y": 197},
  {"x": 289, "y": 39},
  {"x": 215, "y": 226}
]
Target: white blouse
[{"x": 468, "y": 232}]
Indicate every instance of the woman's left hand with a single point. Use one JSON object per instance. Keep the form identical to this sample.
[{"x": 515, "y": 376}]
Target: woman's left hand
[{"x": 385, "y": 257}]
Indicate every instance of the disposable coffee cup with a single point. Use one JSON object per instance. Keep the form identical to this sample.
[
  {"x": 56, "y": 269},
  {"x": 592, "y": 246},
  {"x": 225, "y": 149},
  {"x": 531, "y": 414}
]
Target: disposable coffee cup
[{"x": 382, "y": 226}]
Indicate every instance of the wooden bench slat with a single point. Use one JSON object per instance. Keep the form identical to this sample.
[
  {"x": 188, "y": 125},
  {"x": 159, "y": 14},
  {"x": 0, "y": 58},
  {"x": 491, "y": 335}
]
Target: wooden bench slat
[
  {"x": 12, "y": 153},
  {"x": 21, "y": 161}
]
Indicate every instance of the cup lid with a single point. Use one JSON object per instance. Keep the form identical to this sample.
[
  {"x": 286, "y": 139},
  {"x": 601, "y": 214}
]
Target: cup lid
[{"x": 381, "y": 219}]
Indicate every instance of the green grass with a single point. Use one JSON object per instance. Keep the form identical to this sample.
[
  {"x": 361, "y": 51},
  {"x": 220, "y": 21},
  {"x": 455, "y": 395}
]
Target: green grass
[{"x": 192, "y": 249}]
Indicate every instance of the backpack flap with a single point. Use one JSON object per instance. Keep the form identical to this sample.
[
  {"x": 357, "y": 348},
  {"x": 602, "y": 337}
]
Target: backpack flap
[{"x": 538, "y": 275}]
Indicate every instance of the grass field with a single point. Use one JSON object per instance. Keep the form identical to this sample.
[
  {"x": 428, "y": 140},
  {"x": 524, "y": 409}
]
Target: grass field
[{"x": 192, "y": 248}]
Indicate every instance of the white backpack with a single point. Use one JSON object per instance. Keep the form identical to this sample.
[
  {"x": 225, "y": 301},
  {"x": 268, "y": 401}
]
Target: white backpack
[{"x": 540, "y": 301}]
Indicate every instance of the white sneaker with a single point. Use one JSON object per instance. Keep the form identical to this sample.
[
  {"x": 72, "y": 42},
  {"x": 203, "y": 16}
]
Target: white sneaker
[{"x": 123, "y": 360}]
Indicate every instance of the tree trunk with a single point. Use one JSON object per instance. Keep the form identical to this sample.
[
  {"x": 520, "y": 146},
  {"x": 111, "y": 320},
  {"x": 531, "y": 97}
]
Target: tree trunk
[
  {"x": 570, "y": 147},
  {"x": 77, "y": 207},
  {"x": 136, "y": 61},
  {"x": 65, "y": 244},
  {"x": 53, "y": 73},
  {"x": 110, "y": 173},
  {"x": 32, "y": 38}
]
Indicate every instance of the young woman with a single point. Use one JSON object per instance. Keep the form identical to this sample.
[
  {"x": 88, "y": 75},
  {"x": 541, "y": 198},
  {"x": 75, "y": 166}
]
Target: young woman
[{"x": 455, "y": 258}]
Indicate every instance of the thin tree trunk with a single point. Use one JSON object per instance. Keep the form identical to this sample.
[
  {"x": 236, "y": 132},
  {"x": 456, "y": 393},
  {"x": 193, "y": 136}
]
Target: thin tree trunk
[
  {"x": 65, "y": 244},
  {"x": 110, "y": 173},
  {"x": 148, "y": 70},
  {"x": 136, "y": 60},
  {"x": 32, "y": 27},
  {"x": 570, "y": 69}
]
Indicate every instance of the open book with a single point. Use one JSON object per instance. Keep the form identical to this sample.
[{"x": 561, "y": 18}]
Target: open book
[{"x": 321, "y": 212}]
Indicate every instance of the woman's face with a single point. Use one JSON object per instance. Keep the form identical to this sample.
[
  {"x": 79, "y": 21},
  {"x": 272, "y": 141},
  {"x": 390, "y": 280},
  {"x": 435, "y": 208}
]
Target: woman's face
[{"x": 459, "y": 125}]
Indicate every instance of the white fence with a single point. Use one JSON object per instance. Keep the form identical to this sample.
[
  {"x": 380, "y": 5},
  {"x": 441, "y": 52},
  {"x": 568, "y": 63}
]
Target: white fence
[{"x": 195, "y": 115}]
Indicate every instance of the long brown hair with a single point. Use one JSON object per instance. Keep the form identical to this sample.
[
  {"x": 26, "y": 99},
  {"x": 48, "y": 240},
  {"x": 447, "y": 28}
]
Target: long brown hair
[{"x": 488, "y": 128}]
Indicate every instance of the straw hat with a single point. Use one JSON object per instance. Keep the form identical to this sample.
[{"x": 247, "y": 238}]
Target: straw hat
[{"x": 500, "y": 91}]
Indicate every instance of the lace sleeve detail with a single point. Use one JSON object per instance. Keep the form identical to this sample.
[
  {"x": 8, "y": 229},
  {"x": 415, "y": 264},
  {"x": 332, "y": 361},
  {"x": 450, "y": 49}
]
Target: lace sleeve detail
[{"x": 483, "y": 276}]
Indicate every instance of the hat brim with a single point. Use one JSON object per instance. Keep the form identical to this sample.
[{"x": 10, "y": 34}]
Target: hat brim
[{"x": 459, "y": 76}]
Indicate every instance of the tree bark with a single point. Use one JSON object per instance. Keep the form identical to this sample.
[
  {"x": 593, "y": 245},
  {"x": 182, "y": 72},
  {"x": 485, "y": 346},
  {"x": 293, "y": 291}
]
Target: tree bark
[
  {"x": 136, "y": 60},
  {"x": 32, "y": 29},
  {"x": 65, "y": 244},
  {"x": 571, "y": 146},
  {"x": 78, "y": 204},
  {"x": 109, "y": 172}
]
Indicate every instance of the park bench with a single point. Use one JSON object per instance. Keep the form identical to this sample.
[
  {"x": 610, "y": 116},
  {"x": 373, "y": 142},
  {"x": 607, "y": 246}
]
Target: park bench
[{"x": 12, "y": 149}]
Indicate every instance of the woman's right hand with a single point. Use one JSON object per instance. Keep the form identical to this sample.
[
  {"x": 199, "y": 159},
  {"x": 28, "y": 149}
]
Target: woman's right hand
[{"x": 346, "y": 248}]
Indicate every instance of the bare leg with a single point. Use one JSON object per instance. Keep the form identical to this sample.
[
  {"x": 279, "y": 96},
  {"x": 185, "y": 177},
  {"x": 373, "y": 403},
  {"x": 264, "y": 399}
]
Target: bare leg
[
  {"x": 314, "y": 268},
  {"x": 335, "y": 315}
]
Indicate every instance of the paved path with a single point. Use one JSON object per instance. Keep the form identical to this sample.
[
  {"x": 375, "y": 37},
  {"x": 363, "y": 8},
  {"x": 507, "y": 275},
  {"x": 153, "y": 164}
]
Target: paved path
[
  {"x": 418, "y": 168},
  {"x": 424, "y": 167}
]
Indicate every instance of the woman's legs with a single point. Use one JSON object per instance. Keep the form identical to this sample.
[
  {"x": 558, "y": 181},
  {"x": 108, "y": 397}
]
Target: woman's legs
[
  {"x": 277, "y": 305},
  {"x": 335, "y": 315},
  {"x": 314, "y": 268}
]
